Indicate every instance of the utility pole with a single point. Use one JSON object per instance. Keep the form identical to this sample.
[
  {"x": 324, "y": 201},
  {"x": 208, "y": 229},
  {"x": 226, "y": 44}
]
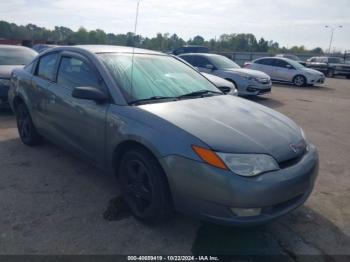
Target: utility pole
[{"x": 332, "y": 34}]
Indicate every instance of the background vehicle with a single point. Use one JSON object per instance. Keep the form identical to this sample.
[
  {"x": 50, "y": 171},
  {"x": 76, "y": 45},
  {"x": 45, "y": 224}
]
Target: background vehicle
[
  {"x": 42, "y": 47},
  {"x": 225, "y": 86},
  {"x": 292, "y": 57},
  {"x": 11, "y": 57},
  {"x": 247, "y": 82},
  {"x": 190, "y": 49},
  {"x": 171, "y": 137},
  {"x": 330, "y": 66},
  {"x": 286, "y": 70}
]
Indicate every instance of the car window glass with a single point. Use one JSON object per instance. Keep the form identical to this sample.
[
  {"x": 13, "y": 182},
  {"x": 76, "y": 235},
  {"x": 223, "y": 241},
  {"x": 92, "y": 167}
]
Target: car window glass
[
  {"x": 46, "y": 68},
  {"x": 280, "y": 63},
  {"x": 265, "y": 61},
  {"x": 74, "y": 72},
  {"x": 188, "y": 59},
  {"x": 201, "y": 61}
]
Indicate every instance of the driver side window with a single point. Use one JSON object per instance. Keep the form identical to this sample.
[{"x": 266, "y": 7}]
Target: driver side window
[
  {"x": 74, "y": 72},
  {"x": 200, "y": 61}
]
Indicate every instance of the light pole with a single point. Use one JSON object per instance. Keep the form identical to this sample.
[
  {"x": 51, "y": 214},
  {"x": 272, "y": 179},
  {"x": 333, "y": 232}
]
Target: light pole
[{"x": 332, "y": 33}]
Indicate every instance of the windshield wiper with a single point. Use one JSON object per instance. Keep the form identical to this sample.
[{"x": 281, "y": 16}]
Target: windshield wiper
[
  {"x": 200, "y": 93},
  {"x": 153, "y": 98}
]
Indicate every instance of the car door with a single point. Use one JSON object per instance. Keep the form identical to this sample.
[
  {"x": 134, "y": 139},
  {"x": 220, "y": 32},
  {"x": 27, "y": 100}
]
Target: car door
[
  {"x": 77, "y": 123},
  {"x": 264, "y": 65},
  {"x": 283, "y": 71},
  {"x": 43, "y": 77}
]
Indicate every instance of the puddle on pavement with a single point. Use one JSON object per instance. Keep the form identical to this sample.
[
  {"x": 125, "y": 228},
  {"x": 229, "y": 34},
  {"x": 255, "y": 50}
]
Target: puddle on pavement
[
  {"x": 245, "y": 241},
  {"x": 117, "y": 210}
]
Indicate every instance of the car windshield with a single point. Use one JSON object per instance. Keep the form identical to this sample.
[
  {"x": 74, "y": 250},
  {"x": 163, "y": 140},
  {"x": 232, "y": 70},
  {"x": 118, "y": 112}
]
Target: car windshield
[
  {"x": 146, "y": 76},
  {"x": 222, "y": 62},
  {"x": 16, "y": 56},
  {"x": 335, "y": 60},
  {"x": 295, "y": 64}
]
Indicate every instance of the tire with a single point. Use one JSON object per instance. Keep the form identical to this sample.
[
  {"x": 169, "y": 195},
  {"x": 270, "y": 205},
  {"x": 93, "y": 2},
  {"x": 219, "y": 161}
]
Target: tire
[
  {"x": 330, "y": 73},
  {"x": 299, "y": 80},
  {"x": 26, "y": 129},
  {"x": 144, "y": 186}
]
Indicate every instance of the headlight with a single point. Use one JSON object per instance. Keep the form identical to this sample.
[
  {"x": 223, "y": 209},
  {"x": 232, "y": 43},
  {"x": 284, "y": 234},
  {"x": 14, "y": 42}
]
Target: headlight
[
  {"x": 249, "y": 164},
  {"x": 4, "y": 82},
  {"x": 249, "y": 77}
]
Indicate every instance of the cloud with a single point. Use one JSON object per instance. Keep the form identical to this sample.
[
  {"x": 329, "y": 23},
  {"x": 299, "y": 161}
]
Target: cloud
[{"x": 288, "y": 22}]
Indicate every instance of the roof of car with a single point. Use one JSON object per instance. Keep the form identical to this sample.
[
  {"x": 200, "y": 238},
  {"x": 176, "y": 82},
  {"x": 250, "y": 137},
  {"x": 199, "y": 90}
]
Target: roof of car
[
  {"x": 199, "y": 54},
  {"x": 109, "y": 49}
]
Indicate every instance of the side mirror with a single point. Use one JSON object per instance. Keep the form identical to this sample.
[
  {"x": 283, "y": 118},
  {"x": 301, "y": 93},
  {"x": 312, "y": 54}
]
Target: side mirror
[
  {"x": 289, "y": 67},
  {"x": 210, "y": 67},
  {"x": 89, "y": 93}
]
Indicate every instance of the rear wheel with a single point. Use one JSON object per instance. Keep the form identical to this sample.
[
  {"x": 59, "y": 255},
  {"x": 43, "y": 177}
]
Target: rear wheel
[
  {"x": 299, "y": 80},
  {"x": 144, "y": 186},
  {"x": 25, "y": 126}
]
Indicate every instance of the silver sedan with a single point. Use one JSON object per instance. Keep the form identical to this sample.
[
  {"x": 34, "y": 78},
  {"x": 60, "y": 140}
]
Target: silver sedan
[
  {"x": 248, "y": 82},
  {"x": 287, "y": 70}
]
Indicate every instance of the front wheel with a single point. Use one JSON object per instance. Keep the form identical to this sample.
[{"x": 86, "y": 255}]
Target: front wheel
[
  {"x": 25, "y": 126},
  {"x": 299, "y": 80},
  {"x": 144, "y": 186}
]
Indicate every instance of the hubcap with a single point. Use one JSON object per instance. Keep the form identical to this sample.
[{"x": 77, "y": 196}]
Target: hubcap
[
  {"x": 137, "y": 186},
  {"x": 299, "y": 81}
]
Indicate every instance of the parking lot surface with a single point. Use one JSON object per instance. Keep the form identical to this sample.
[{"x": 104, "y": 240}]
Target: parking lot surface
[{"x": 54, "y": 203}]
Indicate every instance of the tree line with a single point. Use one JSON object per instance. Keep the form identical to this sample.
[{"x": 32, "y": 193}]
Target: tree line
[{"x": 161, "y": 42}]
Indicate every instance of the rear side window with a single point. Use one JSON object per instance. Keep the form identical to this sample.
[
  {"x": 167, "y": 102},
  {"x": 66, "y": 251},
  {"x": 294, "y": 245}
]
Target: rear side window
[
  {"x": 280, "y": 63},
  {"x": 47, "y": 65},
  {"x": 74, "y": 72},
  {"x": 265, "y": 61}
]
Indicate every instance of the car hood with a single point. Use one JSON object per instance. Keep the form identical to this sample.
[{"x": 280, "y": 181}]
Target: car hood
[
  {"x": 233, "y": 125},
  {"x": 5, "y": 70},
  {"x": 248, "y": 72}
]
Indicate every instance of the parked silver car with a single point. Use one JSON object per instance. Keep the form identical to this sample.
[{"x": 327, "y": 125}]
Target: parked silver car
[
  {"x": 287, "y": 70},
  {"x": 248, "y": 82},
  {"x": 225, "y": 86},
  {"x": 169, "y": 135}
]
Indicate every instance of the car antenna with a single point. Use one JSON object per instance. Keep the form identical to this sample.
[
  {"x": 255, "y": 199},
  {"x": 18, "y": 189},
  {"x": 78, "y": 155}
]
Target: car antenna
[{"x": 133, "y": 47}]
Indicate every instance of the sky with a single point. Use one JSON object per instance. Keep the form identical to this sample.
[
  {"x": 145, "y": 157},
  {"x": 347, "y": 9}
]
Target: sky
[{"x": 296, "y": 22}]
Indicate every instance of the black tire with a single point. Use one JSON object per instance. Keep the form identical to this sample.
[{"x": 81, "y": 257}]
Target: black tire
[
  {"x": 144, "y": 186},
  {"x": 299, "y": 80},
  {"x": 26, "y": 129},
  {"x": 330, "y": 73}
]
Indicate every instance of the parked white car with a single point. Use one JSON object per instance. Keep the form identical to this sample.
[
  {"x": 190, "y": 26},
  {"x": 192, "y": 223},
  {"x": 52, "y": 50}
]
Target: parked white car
[{"x": 287, "y": 70}]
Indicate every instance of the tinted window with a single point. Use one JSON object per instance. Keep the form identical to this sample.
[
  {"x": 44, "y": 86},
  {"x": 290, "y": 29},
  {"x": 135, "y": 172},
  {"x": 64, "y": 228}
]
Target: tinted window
[
  {"x": 200, "y": 61},
  {"x": 74, "y": 72},
  {"x": 265, "y": 61},
  {"x": 188, "y": 59},
  {"x": 46, "y": 68},
  {"x": 335, "y": 60},
  {"x": 280, "y": 63}
]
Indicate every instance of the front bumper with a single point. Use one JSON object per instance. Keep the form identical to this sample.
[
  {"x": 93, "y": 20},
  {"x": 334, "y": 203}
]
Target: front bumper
[
  {"x": 210, "y": 193},
  {"x": 254, "y": 88},
  {"x": 316, "y": 80}
]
